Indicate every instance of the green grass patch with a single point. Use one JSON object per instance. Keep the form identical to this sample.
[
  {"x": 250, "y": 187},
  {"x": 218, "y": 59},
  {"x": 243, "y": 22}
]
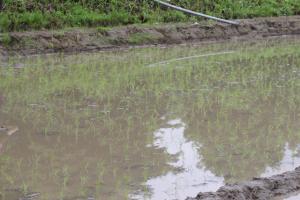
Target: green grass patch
[
  {"x": 21, "y": 15},
  {"x": 141, "y": 38},
  {"x": 103, "y": 30},
  {"x": 5, "y": 39}
]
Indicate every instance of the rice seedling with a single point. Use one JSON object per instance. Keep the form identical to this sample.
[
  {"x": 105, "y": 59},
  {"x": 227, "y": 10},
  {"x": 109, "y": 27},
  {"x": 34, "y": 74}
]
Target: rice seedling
[{"x": 90, "y": 119}]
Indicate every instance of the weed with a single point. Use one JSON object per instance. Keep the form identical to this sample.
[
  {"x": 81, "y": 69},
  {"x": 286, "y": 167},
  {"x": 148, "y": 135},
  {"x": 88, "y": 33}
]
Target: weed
[
  {"x": 27, "y": 15},
  {"x": 103, "y": 30},
  {"x": 5, "y": 39},
  {"x": 142, "y": 38}
]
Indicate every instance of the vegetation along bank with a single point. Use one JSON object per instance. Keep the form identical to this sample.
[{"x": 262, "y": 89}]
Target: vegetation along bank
[
  {"x": 95, "y": 39},
  {"x": 20, "y": 15}
]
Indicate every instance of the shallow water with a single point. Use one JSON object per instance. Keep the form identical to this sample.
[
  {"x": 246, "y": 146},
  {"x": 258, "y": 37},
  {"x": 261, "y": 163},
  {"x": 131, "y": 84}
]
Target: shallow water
[
  {"x": 293, "y": 198},
  {"x": 108, "y": 126}
]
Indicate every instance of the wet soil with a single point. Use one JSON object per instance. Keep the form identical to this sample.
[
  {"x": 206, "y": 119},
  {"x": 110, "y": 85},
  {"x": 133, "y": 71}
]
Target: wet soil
[
  {"x": 96, "y": 39},
  {"x": 258, "y": 188}
]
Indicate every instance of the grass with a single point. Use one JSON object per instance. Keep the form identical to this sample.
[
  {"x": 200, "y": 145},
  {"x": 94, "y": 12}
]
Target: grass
[
  {"x": 5, "y": 39},
  {"x": 103, "y": 30},
  {"x": 141, "y": 38},
  {"x": 242, "y": 108},
  {"x": 19, "y": 15}
]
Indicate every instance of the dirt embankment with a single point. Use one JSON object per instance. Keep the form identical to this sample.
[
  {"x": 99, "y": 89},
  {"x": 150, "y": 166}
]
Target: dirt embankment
[
  {"x": 257, "y": 189},
  {"x": 95, "y": 39}
]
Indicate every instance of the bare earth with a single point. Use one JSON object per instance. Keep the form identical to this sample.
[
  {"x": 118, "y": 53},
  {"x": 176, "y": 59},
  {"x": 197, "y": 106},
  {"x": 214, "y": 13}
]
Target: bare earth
[
  {"x": 98, "y": 39},
  {"x": 257, "y": 189}
]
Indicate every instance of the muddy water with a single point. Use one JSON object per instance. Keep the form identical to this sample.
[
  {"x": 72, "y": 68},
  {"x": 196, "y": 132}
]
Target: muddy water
[{"x": 108, "y": 126}]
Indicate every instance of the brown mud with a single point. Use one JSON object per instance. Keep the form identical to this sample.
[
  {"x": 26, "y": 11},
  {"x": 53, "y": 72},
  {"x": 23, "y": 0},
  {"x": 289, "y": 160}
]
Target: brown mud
[
  {"x": 98, "y": 39},
  {"x": 257, "y": 189}
]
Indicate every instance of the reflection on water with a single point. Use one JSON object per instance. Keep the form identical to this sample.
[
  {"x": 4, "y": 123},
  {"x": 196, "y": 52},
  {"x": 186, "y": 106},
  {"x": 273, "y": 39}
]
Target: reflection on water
[
  {"x": 297, "y": 197},
  {"x": 290, "y": 160},
  {"x": 293, "y": 196},
  {"x": 90, "y": 126},
  {"x": 192, "y": 177}
]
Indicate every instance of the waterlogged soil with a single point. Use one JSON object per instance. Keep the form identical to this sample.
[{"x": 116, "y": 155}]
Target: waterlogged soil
[
  {"x": 152, "y": 123},
  {"x": 95, "y": 39},
  {"x": 258, "y": 188}
]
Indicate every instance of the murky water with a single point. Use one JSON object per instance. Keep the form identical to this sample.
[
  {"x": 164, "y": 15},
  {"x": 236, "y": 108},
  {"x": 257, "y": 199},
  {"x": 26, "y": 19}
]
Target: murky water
[{"x": 108, "y": 126}]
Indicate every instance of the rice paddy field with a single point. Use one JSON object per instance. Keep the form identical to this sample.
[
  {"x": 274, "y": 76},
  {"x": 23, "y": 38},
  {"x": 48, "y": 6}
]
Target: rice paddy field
[{"x": 150, "y": 123}]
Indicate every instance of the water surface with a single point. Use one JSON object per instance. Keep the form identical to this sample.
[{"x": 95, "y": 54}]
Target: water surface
[{"x": 133, "y": 125}]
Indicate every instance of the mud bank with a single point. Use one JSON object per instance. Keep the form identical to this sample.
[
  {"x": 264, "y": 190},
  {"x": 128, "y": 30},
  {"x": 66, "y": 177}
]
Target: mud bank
[
  {"x": 95, "y": 39},
  {"x": 257, "y": 189}
]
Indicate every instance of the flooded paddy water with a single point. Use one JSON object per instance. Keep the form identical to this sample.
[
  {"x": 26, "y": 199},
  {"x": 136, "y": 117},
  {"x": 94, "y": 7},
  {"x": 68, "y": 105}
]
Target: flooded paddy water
[{"x": 143, "y": 124}]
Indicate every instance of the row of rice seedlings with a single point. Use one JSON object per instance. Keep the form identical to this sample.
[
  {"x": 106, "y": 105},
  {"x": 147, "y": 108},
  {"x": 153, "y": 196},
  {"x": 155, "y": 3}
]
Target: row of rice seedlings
[{"x": 146, "y": 93}]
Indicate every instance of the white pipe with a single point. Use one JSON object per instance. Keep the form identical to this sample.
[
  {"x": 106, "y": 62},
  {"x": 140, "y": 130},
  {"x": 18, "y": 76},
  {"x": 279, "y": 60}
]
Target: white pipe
[
  {"x": 190, "y": 57},
  {"x": 196, "y": 13}
]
